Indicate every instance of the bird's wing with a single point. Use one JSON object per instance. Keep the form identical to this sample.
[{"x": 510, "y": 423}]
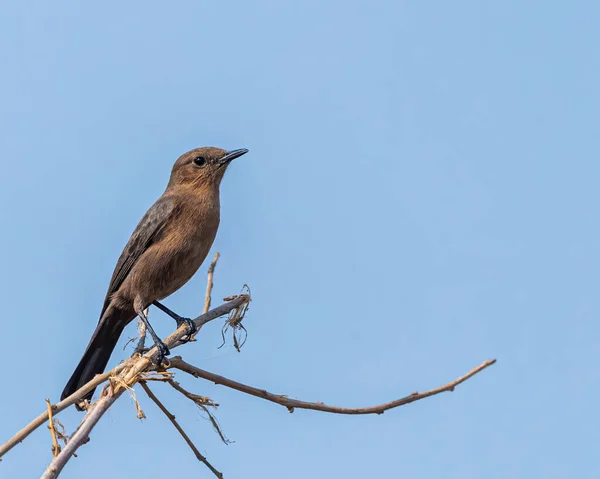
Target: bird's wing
[{"x": 145, "y": 233}]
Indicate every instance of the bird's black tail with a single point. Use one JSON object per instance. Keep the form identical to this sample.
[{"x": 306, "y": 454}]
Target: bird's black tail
[{"x": 98, "y": 352}]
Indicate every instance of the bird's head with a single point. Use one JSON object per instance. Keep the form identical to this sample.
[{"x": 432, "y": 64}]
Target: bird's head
[{"x": 202, "y": 167}]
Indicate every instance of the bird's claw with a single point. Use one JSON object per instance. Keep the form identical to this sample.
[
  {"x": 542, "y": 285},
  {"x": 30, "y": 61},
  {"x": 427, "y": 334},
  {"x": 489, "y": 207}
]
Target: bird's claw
[
  {"x": 163, "y": 351},
  {"x": 191, "y": 328}
]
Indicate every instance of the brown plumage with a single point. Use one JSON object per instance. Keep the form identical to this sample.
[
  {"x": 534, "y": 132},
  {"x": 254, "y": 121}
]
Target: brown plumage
[{"x": 167, "y": 247}]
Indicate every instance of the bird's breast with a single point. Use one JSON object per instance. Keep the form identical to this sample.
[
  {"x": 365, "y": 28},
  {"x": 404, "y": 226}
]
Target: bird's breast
[{"x": 176, "y": 255}]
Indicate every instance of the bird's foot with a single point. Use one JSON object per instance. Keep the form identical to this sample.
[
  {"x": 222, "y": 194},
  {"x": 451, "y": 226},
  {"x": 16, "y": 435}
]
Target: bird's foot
[
  {"x": 163, "y": 351},
  {"x": 191, "y": 328}
]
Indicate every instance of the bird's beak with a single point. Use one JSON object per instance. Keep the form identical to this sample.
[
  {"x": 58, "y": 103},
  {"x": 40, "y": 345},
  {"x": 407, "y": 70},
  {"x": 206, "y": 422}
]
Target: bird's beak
[{"x": 232, "y": 155}]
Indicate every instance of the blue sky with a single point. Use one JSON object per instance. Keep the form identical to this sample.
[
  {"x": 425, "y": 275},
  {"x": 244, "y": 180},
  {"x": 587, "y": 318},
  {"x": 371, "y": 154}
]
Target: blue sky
[{"x": 420, "y": 195}]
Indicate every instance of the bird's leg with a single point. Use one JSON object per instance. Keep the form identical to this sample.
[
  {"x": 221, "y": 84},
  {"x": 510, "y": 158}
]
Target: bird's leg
[
  {"x": 163, "y": 350},
  {"x": 191, "y": 326}
]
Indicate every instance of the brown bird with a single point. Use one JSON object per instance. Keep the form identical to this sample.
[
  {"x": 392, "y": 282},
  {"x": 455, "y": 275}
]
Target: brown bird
[{"x": 166, "y": 248}]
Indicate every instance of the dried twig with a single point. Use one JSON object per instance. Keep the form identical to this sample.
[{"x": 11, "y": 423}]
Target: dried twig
[
  {"x": 234, "y": 321},
  {"x": 171, "y": 418},
  {"x": 81, "y": 436},
  {"x": 209, "y": 287},
  {"x": 61, "y": 434},
  {"x": 209, "y": 282},
  {"x": 202, "y": 402},
  {"x": 55, "y": 445},
  {"x": 291, "y": 404},
  {"x": 116, "y": 380},
  {"x": 199, "y": 400}
]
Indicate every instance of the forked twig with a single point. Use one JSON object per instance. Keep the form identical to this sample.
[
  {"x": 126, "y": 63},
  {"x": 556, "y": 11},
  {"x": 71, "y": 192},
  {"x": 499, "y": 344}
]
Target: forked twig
[{"x": 171, "y": 418}]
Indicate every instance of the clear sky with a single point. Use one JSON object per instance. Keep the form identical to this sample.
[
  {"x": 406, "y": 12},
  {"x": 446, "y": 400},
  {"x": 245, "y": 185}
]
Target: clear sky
[{"x": 421, "y": 194}]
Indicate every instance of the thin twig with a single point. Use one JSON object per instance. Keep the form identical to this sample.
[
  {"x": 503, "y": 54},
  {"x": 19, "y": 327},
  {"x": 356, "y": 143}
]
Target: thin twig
[
  {"x": 81, "y": 436},
  {"x": 55, "y": 445},
  {"x": 199, "y": 400},
  {"x": 291, "y": 404},
  {"x": 171, "y": 418},
  {"x": 209, "y": 282},
  {"x": 209, "y": 287},
  {"x": 138, "y": 408},
  {"x": 202, "y": 402}
]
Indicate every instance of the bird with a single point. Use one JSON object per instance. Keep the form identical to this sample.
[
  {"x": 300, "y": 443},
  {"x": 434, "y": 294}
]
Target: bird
[{"x": 165, "y": 250}]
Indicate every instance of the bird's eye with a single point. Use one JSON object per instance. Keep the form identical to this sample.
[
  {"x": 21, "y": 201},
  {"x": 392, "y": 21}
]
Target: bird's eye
[{"x": 200, "y": 161}]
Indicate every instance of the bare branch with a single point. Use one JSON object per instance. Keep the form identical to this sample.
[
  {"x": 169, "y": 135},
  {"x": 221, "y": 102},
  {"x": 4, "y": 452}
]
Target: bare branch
[
  {"x": 171, "y": 418},
  {"x": 81, "y": 436},
  {"x": 291, "y": 404},
  {"x": 142, "y": 367},
  {"x": 128, "y": 371}
]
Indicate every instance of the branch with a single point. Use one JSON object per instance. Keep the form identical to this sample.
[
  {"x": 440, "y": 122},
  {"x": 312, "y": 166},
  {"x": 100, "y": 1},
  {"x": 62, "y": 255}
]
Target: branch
[
  {"x": 128, "y": 372},
  {"x": 292, "y": 404},
  {"x": 81, "y": 436},
  {"x": 126, "y": 378},
  {"x": 145, "y": 362},
  {"x": 171, "y": 418},
  {"x": 56, "y": 408}
]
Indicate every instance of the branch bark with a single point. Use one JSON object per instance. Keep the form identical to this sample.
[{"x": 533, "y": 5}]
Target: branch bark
[{"x": 292, "y": 404}]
